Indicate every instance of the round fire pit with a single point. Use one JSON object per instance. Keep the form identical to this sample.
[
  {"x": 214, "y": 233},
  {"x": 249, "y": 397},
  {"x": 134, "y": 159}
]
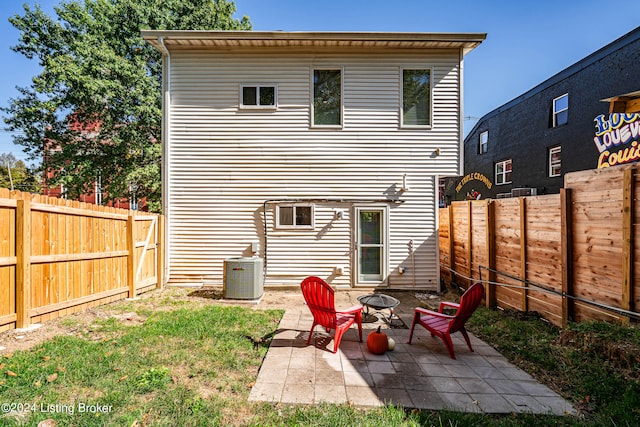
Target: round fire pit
[{"x": 379, "y": 302}]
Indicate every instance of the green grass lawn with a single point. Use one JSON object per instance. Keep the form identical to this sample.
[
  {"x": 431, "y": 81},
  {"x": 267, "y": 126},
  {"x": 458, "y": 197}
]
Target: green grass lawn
[{"x": 194, "y": 366}]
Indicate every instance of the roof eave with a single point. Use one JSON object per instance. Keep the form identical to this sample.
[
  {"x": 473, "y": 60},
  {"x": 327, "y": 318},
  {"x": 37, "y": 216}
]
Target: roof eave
[{"x": 464, "y": 41}]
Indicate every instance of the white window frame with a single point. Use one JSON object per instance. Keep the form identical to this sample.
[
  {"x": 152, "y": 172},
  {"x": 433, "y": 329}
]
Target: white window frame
[
  {"x": 557, "y": 112},
  {"x": 552, "y": 163},
  {"x": 504, "y": 172},
  {"x": 295, "y": 226},
  {"x": 312, "y": 98},
  {"x": 258, "y": 106},
  {"x": 483, "y": 142},
  {"x": 401, "y": 79}
]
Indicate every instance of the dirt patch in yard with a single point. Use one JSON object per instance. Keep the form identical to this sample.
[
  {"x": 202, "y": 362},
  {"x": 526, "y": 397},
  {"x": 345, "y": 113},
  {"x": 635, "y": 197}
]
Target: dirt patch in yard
[
  {"x": 134, "y": 312},
  {"x": 623, "y": 357}
]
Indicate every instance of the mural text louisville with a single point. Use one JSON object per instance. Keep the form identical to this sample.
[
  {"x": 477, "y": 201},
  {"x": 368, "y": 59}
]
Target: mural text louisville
[{"x": 617, "y": 139}]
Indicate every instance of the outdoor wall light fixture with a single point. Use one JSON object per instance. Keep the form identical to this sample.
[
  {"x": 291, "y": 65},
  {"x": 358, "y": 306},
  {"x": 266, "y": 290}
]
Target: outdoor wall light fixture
[
  {"x": 339, "y": 214},
  {"x": 404, "y": 186}
]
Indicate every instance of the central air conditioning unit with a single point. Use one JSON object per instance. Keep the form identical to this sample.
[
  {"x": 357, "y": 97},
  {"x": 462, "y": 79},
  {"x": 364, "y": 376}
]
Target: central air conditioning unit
[
  {"x": 519, "y": 192},
  {"x": 243, "y": 278}
]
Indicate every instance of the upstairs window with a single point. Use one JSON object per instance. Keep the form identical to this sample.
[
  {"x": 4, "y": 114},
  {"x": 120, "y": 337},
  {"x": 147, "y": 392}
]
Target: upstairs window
[
  {"x": 327, "y": 97},
  {"x": 483, "y": 142},
  {"x": 555, "y": 161},
  {"x": 561, "y": 110},
  {"x": 258, "y": 96},
  {"x": 294, "y": 216},
  {"x": 416, "y": 97},
  {"x": 503, "y": 172}
]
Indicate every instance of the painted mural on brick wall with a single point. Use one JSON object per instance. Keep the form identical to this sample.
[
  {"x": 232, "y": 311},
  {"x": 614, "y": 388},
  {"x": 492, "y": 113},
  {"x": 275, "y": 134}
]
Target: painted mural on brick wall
[
  {"x": 472, "y": 185},
  {"x": 617, "y": 139}
]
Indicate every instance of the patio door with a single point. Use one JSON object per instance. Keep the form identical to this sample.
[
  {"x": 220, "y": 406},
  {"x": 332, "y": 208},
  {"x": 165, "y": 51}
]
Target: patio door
[{"x": 371, "y": 245}]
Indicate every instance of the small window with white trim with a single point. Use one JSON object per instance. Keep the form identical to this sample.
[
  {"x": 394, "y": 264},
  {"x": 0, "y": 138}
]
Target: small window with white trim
[
  {"x": 503, "y": 172},
  {"x": 295, "y": 216},
  {"x": 561, "y": 110},
  {"x": 555, "y": 161},
  {"x": 258, "y": 96},
  {"x": 483, "y": 142}
]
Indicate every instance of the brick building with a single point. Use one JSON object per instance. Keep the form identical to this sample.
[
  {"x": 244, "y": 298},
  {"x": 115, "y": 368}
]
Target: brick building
[{"x": 562, "y": 125}]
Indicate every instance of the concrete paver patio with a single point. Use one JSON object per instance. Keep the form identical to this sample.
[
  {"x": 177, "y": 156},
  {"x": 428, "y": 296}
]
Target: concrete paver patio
[{"x": 420, "y": 375}]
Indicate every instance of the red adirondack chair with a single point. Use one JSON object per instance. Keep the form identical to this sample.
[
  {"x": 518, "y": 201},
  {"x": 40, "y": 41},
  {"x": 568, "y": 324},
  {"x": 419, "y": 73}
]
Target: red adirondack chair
[
  {"x": 443, "y": 325},
  {"x": 319, "y": 297}
]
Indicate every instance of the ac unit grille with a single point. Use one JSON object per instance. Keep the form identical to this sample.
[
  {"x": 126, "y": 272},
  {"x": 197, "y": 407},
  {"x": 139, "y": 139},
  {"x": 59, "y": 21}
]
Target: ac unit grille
[{"x": 519, "y": 192}]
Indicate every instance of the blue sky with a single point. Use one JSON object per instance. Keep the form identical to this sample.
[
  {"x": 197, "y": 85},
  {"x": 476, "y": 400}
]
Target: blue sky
[{"x": 527, "y": 41}]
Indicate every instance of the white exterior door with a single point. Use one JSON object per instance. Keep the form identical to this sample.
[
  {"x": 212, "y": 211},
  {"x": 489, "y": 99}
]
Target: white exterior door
[{"x": 370, "y": 245}]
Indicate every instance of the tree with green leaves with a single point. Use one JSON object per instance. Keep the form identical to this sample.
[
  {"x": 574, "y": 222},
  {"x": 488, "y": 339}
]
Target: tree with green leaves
[
  {"x": 15, "y": 175},
  {"x": 95, "y": 109}
]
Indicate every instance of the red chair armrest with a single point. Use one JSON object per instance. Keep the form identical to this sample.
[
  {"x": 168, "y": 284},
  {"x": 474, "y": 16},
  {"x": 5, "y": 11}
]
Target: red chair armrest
[
  {"x": 447, "y": 304},
  {"x": 432, "y": 313},
  {"x": 351, "y": 310}
]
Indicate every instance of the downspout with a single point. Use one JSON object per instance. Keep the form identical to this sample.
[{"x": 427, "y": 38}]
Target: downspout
[{"x": 166, "y": 152}]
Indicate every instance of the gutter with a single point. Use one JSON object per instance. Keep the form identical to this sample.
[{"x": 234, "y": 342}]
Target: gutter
[{"x": 166, "y": 143}]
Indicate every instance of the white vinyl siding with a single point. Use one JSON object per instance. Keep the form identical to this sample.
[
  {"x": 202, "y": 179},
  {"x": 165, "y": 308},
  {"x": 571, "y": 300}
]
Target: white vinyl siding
[{"x": 230, "y": 167}]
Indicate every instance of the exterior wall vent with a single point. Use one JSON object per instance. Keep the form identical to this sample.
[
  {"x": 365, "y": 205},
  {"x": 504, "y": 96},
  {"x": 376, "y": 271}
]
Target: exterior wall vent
[
  {"x": 519, "y": 192},
  {"x": 503, "y": 195},
  {"x": 243, "y": 278}
]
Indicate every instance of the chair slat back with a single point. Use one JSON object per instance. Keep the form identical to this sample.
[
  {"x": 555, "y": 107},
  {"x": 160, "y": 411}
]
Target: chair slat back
[
  {"x": 319, "y": 297},
  {"x": 469, "y": 302}
]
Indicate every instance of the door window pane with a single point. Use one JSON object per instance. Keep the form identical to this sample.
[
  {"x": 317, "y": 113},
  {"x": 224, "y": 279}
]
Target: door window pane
[
  {"x": 370, "y": 260},
  {"x": 370, "y": 228}
]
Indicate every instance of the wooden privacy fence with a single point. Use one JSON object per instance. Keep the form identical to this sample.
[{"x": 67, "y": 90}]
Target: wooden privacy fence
[
  {"x": 58, "y": 257},
  {"x": 568, "y": 256}
]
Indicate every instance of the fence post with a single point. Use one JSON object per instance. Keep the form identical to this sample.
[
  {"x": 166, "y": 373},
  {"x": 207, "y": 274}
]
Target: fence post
[
  {"x": 469, "y": 243},
  {"x": 566, "y": 255},
  {"x": 452, "y": 254},
  {"x": 23, "y": 267},
  {"x": 491, "y": 254},
  {"x": 627, "y": 241},
  {"x": 523, "y": 253},
  {"x": 131, "y": 264},
  {"x": 160, "y": 251}
]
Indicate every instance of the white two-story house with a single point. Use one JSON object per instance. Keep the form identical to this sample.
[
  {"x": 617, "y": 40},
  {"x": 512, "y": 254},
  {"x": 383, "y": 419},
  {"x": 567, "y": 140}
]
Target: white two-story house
[{"x": 318, "y": 152}]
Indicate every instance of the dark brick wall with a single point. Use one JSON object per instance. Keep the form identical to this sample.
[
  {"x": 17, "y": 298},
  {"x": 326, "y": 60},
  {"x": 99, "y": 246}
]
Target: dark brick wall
[{"x": 521, "y": 129}]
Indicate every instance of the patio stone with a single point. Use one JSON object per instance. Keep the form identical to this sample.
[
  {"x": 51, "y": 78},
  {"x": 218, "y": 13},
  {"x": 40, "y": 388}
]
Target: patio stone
[
  {"x": 330, "y": 393},
  {"x": 298, "y": 393},
  {"x": 396, "y": 396},
  {"x": 360, "y": 379},
  {"x": 446, "y": 385},
  {"x": 363, "y": 396},
  {"x": 492, "y": 403},
  {"x": 429, "y": 400}
]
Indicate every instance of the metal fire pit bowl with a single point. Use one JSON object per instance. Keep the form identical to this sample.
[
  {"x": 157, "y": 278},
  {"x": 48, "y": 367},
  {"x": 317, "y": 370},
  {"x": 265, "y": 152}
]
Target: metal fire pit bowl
[{"x": 379, "y": 302}]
